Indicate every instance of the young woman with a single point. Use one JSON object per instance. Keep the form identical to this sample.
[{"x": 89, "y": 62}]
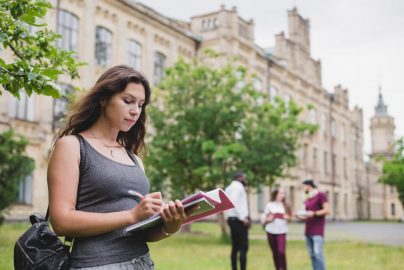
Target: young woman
[
  {"x": 277, "y": 213},
  {"x": 110, "y": 120}
]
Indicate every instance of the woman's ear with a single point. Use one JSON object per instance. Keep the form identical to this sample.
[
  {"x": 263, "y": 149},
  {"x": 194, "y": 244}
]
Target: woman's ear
[{"x": 103, "y": 103}]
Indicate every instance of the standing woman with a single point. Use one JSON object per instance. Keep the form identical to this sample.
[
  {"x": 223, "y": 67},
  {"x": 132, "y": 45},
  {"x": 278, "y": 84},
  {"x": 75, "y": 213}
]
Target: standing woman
[
  {"x": 110, "y": 122},
  {"x": 277, "y": 213}
]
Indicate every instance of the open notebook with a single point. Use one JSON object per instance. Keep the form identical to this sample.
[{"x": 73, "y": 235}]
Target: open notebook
[{"x": 212, "y": 202}]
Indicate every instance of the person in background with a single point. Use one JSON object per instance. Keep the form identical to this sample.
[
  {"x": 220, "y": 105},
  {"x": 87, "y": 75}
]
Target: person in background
[
  {"x": 238, "y": 220},
  {"x": 317, "y": 208},
  {"x": 275, "y": 221}
]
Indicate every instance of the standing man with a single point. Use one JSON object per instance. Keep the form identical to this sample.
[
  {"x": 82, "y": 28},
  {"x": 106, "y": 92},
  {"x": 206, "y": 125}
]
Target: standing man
[
  {"x": 317, "y": 208},
  {"x": 238, "y": 220}
]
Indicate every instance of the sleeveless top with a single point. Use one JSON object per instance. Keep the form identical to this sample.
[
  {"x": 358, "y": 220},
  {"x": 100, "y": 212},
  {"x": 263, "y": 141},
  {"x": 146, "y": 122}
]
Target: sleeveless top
[{"x": 104, "y": 188}]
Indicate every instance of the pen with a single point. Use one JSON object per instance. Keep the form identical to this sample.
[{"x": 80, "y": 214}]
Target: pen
[{"x": 136, "y": 194}]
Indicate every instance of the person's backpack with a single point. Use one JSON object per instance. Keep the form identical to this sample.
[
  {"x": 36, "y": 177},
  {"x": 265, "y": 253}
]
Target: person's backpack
[{"x": 39, "y": 248}]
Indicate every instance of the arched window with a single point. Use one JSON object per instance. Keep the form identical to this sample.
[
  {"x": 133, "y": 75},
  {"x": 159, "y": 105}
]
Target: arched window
[
  {"x": 68, "y": 28},
  {"x": 103, "y": 46},
  {"x": 134, "y": 54}
]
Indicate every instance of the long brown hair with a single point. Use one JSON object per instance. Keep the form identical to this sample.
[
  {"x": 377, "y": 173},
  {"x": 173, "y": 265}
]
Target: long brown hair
[
  {"x": 85, "y": 113},
  {"x": 274, "y": 194}
]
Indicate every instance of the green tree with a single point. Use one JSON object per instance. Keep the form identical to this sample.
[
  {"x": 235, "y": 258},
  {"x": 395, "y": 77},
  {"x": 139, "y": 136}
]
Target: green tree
[
  {"x": 13, "y": 165},
  {"x": 209, "y": 122},
  {"x": 271, "y": 137},
  {"x": 393, "y": 169},
  {"x": 198, "y": 111},
  {"x": 37, "y": 60}
]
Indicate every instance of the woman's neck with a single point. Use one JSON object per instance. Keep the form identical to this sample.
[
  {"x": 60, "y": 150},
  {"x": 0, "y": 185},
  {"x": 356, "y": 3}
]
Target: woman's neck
[{"x": 102, "y": 130}]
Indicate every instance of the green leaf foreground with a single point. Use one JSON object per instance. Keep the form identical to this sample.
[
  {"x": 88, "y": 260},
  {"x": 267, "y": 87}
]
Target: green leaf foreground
[{"x": 37, "y": 61}]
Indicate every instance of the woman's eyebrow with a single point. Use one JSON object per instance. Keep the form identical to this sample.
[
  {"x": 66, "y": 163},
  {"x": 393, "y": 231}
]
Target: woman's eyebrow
[{"x": 133, "y": 97}]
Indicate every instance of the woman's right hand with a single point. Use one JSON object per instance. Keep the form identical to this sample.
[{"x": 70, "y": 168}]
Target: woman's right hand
[
  {"x": 270, "y": 218},
  {"x": 148, "y": 206}
]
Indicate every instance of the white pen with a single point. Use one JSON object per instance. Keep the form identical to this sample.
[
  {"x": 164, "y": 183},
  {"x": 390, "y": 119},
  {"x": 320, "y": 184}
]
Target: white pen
[{"x": 136, "y": 194}]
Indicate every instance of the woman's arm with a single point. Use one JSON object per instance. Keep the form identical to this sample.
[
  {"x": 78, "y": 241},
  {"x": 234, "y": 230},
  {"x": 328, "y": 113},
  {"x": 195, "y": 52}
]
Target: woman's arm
[{"x": 63, "y": 177}]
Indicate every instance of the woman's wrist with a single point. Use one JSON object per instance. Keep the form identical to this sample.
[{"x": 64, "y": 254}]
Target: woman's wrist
[{"x": 167, "y": 232}]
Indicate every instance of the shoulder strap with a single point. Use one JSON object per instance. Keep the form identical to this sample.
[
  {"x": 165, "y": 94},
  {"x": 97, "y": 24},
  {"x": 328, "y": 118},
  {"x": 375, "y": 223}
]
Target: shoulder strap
[
  {"x": 81, "y": 169},
  {"x": 69, "y": 240}
]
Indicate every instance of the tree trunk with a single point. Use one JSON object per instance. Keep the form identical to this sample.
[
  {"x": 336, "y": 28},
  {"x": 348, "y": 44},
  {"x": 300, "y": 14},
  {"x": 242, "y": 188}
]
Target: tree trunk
[
  {"x": 223, "y": 225},
  {"x": 186, "y": 228}
]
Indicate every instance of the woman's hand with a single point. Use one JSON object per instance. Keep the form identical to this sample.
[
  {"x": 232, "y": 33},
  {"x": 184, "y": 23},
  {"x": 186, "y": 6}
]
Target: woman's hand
[
  {"x": 270, "y": 218},
  {"x": 173, "y": 215},
  {"x": 148, "y": 206}
]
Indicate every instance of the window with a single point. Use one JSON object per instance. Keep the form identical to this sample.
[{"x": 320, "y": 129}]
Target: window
[
  {"x": 243, "y": 30},
  {"x": 342, "y": 133},
  {"x": 346, "y": 204},
  {"x": 333, "y": 128},
  {"x": 25, "y": 190},
  {"x": 314, "y": 157},
  {"x": 336, "y": 204},
  {"x": 273, "y": 92},
  {"x": 313, "y": 116},
  {"x": 258, "y": 84},
  {"x": 393, "y": 209},
  {"x": 134, "y": 54},
  {"x": 60, "y": 104},
  {"x": 68, "y": 26},
  {"x": 305, "y": 150},
  {"x": 344, "y": 167},
  {"x": 334, "y": 164},
  {"x": 23, "y": 108},
  {"x": 260, "y": 199},
  {"x": 292, "y": 196},
  {"x": 324, "y": 123},
  {"x": 325, "y": 162},
  {"x": 159, "y": 64},
  {"x": 103, "y": 45}
]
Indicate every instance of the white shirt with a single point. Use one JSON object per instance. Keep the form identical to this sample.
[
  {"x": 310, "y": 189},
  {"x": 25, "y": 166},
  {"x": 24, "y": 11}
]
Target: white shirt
[
  {"x": 238, "y": 197},
  {"x": 277, "y": 226}
]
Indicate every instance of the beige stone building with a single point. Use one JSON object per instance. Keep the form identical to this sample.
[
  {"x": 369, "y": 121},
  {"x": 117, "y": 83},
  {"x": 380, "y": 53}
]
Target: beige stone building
[{"x": 109, "y": 32}]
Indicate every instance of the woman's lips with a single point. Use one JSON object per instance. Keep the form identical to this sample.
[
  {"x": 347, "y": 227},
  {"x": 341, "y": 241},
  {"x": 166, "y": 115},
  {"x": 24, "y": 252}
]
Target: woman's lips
[{"x": 130, "y": 122}]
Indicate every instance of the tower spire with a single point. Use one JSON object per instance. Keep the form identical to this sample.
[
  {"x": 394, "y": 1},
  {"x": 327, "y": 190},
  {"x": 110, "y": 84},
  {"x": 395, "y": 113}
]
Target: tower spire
[{"x": 381, "y": 108}]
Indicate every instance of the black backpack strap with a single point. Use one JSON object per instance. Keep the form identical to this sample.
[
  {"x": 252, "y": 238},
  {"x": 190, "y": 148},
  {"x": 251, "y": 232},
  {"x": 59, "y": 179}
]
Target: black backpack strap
[
  {"x": 81, "y": 170},
  {"x": 69, "y": 240}
]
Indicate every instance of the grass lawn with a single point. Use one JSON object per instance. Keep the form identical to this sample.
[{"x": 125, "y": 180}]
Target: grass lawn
[{"x": 204, "y": 250}]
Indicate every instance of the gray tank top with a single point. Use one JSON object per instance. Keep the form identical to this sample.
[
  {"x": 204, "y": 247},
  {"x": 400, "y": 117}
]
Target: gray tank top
[{"x": 104, "y": 188}]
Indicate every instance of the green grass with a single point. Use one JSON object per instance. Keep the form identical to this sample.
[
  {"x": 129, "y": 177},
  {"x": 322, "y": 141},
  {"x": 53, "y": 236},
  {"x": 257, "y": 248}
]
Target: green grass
[{"x": 203, "y": 250}]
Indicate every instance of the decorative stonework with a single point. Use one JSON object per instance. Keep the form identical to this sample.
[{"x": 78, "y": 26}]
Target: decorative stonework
[
  {"x": 162, "y": 41},
  {"x": 136, "y": 28},
  {"x": 107, "y": 14},
  {"x": 185, "y": 52}
]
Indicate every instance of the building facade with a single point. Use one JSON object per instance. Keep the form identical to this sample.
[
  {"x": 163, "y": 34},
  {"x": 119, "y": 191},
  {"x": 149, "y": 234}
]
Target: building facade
[{"x": 109, "y": 32}]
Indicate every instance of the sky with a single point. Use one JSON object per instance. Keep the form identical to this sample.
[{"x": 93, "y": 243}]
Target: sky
[{"x": 360, "y": 43}]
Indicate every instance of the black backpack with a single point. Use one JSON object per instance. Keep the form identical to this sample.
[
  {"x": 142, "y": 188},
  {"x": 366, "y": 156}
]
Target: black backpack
[{"x": 39, "y": 248}]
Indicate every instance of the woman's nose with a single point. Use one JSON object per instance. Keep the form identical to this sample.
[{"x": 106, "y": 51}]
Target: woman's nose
[{"x": 134, "y": 111}]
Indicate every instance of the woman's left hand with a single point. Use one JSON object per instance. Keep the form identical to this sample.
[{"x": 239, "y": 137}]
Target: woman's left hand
[{"x": 173, "y": 215}]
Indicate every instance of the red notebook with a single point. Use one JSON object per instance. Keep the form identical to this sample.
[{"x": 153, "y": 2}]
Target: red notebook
[{"x": 212, "y": 202}]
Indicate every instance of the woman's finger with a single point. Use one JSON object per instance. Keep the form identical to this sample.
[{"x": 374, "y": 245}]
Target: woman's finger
[
  {"x": 180, "y": 209},
  {"x": 173, "y": 209}
]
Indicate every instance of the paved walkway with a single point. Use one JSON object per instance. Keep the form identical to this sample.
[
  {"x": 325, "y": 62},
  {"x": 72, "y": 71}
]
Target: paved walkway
[{"x": 369, "y": 232}]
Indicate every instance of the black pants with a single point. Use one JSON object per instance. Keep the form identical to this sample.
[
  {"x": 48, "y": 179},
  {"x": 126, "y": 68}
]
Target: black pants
[{"x": 239, "y": 243}]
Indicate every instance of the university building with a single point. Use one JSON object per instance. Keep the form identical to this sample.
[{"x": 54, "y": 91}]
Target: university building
[{"x": 105, "y": 33}]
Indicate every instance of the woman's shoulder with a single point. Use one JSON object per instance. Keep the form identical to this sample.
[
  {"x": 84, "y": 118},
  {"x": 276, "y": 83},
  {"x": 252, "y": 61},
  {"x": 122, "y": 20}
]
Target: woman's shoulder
[{"x": 68, "y": 143}]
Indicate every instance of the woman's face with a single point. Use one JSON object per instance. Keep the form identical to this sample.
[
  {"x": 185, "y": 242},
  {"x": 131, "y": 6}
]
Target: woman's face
[
  {"x": 123, "y": 109},
  {"x": 280, "y": 196}
]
